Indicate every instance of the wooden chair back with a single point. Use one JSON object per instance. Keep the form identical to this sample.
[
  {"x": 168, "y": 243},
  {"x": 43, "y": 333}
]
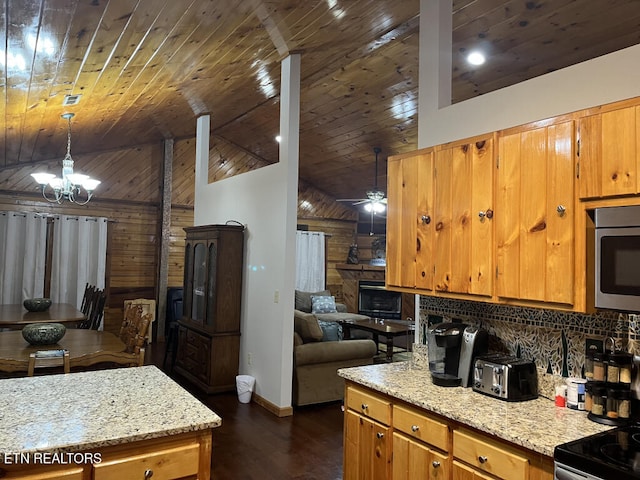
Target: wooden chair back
[
  {"x": 148, "y": 307},
  {"x": 87, "y": 298},
  {"x": 133, "y": 331},
  {"x": 94, "y": 308},
  {"x": 48, "y": 359}
]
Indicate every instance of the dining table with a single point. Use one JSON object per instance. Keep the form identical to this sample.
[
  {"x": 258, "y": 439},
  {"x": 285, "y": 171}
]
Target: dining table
[
  {"x": 14, "y": 315},
  {"x": 86, "y": 348}
]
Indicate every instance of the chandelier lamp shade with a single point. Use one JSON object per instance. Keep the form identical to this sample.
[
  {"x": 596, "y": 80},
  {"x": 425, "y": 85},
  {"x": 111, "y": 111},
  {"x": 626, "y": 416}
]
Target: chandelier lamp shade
[{"x": 70, "y": 185}]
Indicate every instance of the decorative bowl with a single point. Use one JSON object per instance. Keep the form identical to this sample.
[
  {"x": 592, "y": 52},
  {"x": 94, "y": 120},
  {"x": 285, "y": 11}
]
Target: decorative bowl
[
  {"x": 37, "y": 304},
  {"x": 43, "y": 333}
]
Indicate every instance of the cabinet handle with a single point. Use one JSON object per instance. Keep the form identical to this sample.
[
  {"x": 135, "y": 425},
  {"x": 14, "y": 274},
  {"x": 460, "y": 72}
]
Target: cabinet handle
[
  {"x": 426, "y": 219},
  {"x": 483, "y": 459},
  {"x": 148, "y": 473},
  {"x": 435, "y": 464},
  {"x": 380, "y": 435},
  {"x": 488, "y": 214},
  {"x": 561, "y": 210},
  {"x": 415, "y": 428},
  {"x": 364, "y": 406}
]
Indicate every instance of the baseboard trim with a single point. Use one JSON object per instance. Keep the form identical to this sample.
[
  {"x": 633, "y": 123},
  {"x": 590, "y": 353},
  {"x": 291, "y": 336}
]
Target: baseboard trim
[{"x": 270, "y": 407}]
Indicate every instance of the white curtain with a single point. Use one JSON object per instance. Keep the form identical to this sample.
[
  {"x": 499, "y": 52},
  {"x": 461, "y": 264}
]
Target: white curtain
[
  {"x": 310, "y": 263},
  {"x": 79, "y": 256},
  {"x": 23, "y": 255}
]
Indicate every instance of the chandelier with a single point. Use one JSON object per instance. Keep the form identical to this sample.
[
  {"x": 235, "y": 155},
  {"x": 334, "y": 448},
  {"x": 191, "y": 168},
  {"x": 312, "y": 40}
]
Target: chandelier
[{"x": 71, "y": 184}]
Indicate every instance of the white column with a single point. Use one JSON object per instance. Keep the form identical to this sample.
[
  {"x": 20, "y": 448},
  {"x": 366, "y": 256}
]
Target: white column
[
  {"x": 202, "y": 157},
  {"x": 435, "y": 60},
  {"x": 289, "y": 156}
]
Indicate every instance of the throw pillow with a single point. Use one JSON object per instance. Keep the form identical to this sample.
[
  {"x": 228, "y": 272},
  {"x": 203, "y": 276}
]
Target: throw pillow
[
  {"x": 323, "y": 304},
  {"x": 303, "y": 299},
  {"x": 331, "y": 331},
  {"x": 306, "y": 325}
]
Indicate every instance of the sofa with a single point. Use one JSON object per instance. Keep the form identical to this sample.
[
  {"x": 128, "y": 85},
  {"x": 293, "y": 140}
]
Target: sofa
[{"x": 319, "y": 352}]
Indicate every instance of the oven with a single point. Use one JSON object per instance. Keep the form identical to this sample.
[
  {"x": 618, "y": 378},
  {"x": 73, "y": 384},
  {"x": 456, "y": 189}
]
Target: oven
[{"x": 614, "y": 454}]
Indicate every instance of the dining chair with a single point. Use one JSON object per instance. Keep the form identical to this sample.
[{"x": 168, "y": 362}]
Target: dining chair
[
  {"x": 148, "y": 307},
  {"x": 87, "y": 298},
  {"x": 48, "y": 359},
  {"x": 133, "y": 331},
  {"x": 94, "y": 309}
]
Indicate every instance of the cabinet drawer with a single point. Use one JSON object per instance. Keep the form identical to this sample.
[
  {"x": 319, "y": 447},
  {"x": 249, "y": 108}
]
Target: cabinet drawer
[
  {"x": 170, "y": 463},
  {"x": 421, "y": 426},
  {"x": 490, "y": 456},
  {"x": 366, "y": 404}
]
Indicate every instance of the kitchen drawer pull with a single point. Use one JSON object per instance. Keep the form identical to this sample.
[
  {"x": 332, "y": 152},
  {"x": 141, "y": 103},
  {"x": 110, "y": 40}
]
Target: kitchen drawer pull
[
  {"x": 561, "y": 210},
  {"x": 483, "y": 459},
  {"x": 364, "y": 406},
  {"x": 380, "y": 435},
  {"x": 148, "y": 473},
  {"x": 435, "y": 464},
  {"x": 415, "y": 428}
]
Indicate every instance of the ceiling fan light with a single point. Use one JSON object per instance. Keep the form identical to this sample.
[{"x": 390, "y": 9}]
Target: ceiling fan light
[{"x": 378, "y": 207}]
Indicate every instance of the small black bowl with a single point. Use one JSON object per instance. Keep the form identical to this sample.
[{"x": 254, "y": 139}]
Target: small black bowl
[{"x": 37, "y": 304}]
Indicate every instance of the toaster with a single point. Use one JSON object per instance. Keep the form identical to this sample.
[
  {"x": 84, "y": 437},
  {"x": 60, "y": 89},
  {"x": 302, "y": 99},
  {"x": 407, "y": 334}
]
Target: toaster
[{"x": 505, "y": 377}]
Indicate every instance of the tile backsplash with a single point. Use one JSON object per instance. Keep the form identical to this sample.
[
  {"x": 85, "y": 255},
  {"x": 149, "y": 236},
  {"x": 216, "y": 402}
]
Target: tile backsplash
[{"x": 555, "y": 340}]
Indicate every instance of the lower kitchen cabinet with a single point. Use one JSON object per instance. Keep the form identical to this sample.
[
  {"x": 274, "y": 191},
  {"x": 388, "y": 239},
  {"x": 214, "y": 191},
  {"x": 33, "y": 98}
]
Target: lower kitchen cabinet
[
  {"x": 484, "y": 454},
  {"x": 185, "y": 456},
  {"x": 367, "y": 436},
  {"x": 385, "y": 438}
]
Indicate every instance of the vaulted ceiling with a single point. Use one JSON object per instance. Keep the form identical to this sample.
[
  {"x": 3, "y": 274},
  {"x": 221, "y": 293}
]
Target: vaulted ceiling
[{"x": 146, "y": 69}]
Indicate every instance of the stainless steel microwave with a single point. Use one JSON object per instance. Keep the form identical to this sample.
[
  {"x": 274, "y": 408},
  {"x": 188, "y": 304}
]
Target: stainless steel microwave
[{"x": 617, "y": 248}]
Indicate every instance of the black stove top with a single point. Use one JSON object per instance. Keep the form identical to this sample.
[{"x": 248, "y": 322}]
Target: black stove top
[{"x": 611, "y": 454}]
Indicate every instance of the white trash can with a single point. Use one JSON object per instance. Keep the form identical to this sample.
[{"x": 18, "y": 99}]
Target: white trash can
[{"x": 244, "y": 384}]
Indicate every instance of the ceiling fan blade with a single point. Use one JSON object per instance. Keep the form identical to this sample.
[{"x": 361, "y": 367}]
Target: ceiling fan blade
[
  {"x": 361, "y": 201},
  {"x": 352, "y": 200}
]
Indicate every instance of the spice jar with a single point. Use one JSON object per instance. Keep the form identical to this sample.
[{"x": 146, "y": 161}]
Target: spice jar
[
  {"x": 624, "y": 404},
  {"x": 625, "y": 360},
  {"x": 588, "y": 365},
  {"x": 588, "y": 396},
  {"x": 612, "y": 403},
  {"x": 599, "y": 359},
  {"x": 613, "y": 368},
  {"x": 598, "y": 400}
]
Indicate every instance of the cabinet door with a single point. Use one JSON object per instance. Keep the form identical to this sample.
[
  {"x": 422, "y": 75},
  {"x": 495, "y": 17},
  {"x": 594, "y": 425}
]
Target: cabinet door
[
  {"x": 463, "y": 213},
  {"x": 534, "y": 215},
  {"x": 367, "y": 449},
  {"x": 609, "y": 153},
  {"x": 409, "y": 225},
  {"x": 462, "y": 472},
  {"x": 410, "y": 459},
  {"x": 439, "y": 468}
]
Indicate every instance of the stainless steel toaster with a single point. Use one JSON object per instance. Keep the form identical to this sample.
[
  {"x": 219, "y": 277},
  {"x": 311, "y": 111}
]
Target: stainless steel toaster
[{"x": 505, "y": 377}]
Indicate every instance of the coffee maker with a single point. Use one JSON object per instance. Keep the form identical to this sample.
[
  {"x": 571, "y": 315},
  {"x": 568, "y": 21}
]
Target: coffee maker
[{"x": 452, "y": 348}]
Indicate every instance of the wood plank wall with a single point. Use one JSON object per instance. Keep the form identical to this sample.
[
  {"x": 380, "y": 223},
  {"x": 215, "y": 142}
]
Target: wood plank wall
[{"x": 130, "y": 197}]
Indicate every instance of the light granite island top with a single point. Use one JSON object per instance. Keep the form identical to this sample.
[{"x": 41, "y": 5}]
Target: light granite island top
[
  {"x": 537, "y": 425},
  {"x": 89, "y": 410}
]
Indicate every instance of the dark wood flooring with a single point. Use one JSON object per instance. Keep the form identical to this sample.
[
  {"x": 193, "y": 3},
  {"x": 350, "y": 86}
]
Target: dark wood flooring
[{"x": 252, "y": 443}]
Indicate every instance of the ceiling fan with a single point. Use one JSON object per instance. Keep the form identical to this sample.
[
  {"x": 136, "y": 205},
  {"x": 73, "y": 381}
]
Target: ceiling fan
[{"x": 376, "y": 200}]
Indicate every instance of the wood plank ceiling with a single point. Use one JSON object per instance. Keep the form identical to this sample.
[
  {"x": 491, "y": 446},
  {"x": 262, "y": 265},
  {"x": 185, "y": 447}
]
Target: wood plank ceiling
[{"x": 146, "y": 69}]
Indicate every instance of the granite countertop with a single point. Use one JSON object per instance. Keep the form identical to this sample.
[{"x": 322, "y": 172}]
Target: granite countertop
[
  {"x": 88, "y": 410},
  {"x": 537, "y": 425}
]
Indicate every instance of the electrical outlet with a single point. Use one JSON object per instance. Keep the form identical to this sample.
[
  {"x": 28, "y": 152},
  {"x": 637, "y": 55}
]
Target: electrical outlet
[
  {"x": 594, "y": 345},
  {"x": 249, "y": 359}
]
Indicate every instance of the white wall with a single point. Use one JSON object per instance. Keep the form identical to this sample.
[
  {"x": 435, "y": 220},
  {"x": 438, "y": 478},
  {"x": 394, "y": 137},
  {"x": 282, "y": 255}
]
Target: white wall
[
  {"x": 265, "y": 201},
  {"x": 602, "y": 80}
]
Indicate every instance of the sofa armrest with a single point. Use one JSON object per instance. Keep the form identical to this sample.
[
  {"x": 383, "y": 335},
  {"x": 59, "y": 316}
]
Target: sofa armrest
[{"x": 326, "y": 352}]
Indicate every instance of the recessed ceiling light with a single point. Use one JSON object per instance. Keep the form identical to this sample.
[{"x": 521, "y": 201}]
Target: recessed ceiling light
[{"x": 476, "y": 58}]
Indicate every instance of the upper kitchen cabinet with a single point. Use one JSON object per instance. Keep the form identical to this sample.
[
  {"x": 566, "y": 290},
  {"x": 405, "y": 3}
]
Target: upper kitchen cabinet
[
  {"x": 609, "y": 152},
  {"x": 463, "y": 231},
  {"x": 535, "y": 215},
  {"x": 410, "y": 223}
]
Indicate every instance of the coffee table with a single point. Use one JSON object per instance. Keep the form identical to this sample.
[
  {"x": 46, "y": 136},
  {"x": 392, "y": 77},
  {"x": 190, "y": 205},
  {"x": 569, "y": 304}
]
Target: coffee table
[{"x": 389, "y": 329}]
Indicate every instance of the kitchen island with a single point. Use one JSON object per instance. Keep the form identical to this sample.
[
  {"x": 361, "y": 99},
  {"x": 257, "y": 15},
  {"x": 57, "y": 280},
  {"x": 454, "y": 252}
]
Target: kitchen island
[
  {"x": 463, "y": 431},
  {"x": 124, "y": 422}
]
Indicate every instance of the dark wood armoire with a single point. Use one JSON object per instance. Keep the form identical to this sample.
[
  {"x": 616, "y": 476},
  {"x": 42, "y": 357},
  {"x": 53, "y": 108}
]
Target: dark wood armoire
[{"x": 209, "y": 331}]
